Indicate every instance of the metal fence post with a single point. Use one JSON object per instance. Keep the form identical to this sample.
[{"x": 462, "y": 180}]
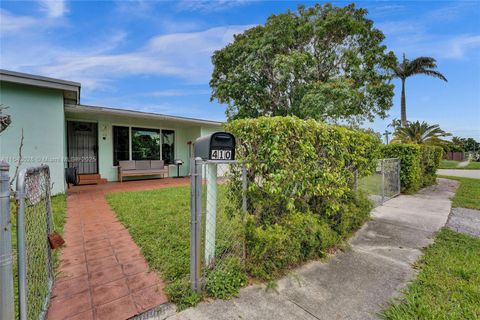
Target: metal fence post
[
  {"x": 193, "y": 226},
  {"x": 198, "y": 219},
  {"x": 211, "y": 213},
  {"x": 399, "y": 168},
  {"x": 382, "y": 166},
  {"x": 7, "y": 308},
  {"x": 21, "y": 254},
  {"x": 244, "y": 188}
]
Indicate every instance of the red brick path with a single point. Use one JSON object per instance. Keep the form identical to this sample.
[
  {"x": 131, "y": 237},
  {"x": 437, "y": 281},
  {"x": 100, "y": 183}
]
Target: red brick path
[{"x": 102, "y": 273}]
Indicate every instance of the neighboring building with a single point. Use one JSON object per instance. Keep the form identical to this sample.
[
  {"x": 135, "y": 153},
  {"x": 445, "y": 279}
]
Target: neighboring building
[{"x": 61, "y": 132}]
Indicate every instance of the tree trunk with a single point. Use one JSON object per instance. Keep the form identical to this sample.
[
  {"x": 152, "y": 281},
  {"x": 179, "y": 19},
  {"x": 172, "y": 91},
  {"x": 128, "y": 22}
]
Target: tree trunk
[{"x": 403, "y": 109}]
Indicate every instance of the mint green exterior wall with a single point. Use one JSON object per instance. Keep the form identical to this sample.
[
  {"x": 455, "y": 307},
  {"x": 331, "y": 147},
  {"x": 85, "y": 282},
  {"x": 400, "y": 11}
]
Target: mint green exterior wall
[
  {"x": 40, "y": 113},
  {"x": 183, "y": 134}
]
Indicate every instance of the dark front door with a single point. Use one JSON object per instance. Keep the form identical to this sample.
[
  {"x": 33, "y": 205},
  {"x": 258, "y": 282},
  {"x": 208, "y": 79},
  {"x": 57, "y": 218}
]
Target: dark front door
[{"x": 83, "y": 146}]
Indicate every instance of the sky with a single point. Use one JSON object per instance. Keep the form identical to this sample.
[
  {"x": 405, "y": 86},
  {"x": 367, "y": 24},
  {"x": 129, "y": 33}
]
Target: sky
[{"x": 155, "y": 56}]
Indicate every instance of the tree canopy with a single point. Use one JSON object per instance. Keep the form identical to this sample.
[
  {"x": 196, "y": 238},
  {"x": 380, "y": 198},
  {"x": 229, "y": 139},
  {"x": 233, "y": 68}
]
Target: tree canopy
[
  {"x": 322, "y": 62},
  {"x": 407, "y": 68},
  {"x": 420, "y": 133}
]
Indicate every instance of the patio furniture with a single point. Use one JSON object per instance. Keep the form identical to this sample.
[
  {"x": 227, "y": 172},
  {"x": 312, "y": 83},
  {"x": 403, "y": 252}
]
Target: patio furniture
[
  {"x": 136, "y": 168},
  {"x": 178, "y": 163}
]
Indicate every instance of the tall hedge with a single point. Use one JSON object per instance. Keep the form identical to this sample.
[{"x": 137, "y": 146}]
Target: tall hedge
[
  {"x": 418, "y": 164},
  {"x": 300, "y": 191}
]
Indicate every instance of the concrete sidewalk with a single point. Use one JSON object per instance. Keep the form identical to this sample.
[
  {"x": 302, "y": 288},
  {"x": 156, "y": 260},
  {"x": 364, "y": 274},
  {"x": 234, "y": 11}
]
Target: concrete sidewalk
[
  {"x": 466, "y": 173},
  {"x": 354, "y": 284}
]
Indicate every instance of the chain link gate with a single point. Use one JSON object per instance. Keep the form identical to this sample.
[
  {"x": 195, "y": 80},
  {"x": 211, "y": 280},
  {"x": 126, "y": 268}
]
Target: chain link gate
[
  {"x": 34, "y": 224},
  {"x": 384, "y": 184},
  {"x": 218, "y": 206}
]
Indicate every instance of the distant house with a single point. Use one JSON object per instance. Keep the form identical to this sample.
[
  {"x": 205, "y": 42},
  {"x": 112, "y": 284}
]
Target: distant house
[{"x": 61, "y": 132}]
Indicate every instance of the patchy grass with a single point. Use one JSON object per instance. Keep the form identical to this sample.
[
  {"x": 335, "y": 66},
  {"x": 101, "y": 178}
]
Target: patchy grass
[
  {"x": 159, "y": 222},
  {"x": 448, "y": 284},
  {"x": 473, "y": 166},
  {"x": 451, "y": 164},
  {"x": 448, "y": 164},
  {"x": 37, "y": 290},
  {"x": 371, "y": 184},
  {"x": 468, "y": 193}
]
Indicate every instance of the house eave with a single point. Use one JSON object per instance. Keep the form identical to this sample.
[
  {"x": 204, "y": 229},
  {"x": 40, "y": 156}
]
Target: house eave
[
  {"x": 86, "y": 109},
  {"x": 71, "y": 89}
]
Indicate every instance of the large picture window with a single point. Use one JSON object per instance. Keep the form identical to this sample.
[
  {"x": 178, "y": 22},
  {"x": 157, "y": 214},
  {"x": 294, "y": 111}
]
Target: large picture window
[
  {"x": 168, "y": 146},
  {"x": 145, "y": 144},
  {"x": 120, "y": 144}
]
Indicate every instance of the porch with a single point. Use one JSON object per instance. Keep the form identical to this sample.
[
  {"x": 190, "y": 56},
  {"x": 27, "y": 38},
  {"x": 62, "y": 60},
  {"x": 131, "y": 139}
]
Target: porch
[{"x": 102, "y": 272}]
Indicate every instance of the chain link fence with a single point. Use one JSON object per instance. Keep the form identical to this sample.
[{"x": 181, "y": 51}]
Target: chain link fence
[
  {"x": 384, "y": 184},
  {"x": 34, "y": 224},
  {"x": 218, "y": 225}
]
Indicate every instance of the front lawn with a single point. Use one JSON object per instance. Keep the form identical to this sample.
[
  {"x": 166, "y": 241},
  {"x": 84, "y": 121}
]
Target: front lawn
[
  {"x": 448, "y": 164},
  {"x": 448, "y": 285},
  {"x": 452, "y": 164},
  {"x": 473, "y": 165},
  {"x": 468, "y": 193},
  {"x": 159, "y": 222}
]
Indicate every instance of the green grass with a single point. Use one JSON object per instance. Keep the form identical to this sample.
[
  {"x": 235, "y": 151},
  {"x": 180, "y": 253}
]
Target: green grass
[
  {"x": 371, "y": 184},
  {"x": 473, "y": 166},
  {"x": 448, "y": 164},
  {"x": 448, "y": 284},
  {"x": 451, "y": 164},
  {"x": 159, "y": 222},
  {"x": 35, "y": 237},
  {"x": 468, "y": 193}
]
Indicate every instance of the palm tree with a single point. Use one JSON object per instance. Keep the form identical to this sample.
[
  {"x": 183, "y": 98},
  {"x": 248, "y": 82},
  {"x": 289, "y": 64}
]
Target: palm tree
[
  {"x": 407, "y": 68},
  {"x": 420, "y": 133}
]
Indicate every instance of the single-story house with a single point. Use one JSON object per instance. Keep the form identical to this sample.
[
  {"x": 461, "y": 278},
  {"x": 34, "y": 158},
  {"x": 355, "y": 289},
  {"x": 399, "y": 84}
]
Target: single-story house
[{"x": 61, "y": 132}]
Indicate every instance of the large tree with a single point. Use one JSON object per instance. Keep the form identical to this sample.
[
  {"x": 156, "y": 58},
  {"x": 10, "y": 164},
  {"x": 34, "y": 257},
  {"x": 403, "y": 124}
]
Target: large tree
[
  {"x": 407, "y": 68},
  {"x": 323, "y": 62}
]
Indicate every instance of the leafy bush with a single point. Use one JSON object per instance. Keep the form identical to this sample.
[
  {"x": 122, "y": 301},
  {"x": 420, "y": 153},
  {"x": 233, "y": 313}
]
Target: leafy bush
[
  {"x": 300, "y": 192},
  {"x": 418, "y": 164},
  {"x": 410, "y": 166},
  {"x": 226, "y": 279},
  {"x": 431, "y": 157},
  {"x": 180, "y": 293}
]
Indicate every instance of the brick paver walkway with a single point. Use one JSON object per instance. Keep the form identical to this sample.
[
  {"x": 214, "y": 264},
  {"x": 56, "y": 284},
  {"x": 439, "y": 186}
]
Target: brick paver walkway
[{"x": 102, "y": 273}]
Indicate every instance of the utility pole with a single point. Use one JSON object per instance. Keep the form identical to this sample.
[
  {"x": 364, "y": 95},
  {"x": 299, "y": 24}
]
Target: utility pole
[{"x": 386, "y": 134}]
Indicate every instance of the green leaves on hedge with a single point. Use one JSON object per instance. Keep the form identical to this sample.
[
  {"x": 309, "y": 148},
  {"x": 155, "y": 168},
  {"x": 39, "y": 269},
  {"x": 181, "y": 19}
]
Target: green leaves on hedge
[
  {"x": 418, "y": 163},
  {"x": 300, "y": 193}
]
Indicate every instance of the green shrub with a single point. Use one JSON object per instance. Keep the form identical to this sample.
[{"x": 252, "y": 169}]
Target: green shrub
[
  {"x": 270, "y": 250},
  {"x": 355, "y": 212},
  {"x": 410, "y": 164},
  {"x": 180, "y": 293},
  {"x": 418, "y": 163},
  {"x": 226, "y": 279},
  {"x": 300, "y": 192},
  {"x": 300, "y": 165},
  {"x": 430, "y": 161}
]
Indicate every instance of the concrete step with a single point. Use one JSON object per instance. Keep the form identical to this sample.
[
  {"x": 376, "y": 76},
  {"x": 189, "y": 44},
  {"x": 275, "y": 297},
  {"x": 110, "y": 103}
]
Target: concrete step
[
  {"x": 86, "y": 179},
  {"x": 89, "y": 176}
]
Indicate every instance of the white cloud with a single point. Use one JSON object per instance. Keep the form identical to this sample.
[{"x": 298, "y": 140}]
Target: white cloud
[
  {"x": 10, "y": 23},
  {"x": 185, "y": 55},
  {"x": 53, "y": 8}
]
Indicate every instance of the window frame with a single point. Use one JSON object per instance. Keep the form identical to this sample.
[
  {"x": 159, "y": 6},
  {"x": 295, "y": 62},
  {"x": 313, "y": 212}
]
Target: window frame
[
  {"x": 130, "y": 126},
  {"x": 113, "y": 143},
  {"x": 174, "y": 144}
]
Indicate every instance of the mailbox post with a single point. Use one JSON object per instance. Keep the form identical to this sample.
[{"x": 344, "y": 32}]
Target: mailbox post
[{"x": 215, "y": 148}]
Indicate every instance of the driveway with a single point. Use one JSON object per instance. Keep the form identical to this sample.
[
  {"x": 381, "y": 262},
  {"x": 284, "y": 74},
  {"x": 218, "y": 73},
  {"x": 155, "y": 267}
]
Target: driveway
[
  {"x": 355, "y": 284},
  {"x": 475, "y": 174}
]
